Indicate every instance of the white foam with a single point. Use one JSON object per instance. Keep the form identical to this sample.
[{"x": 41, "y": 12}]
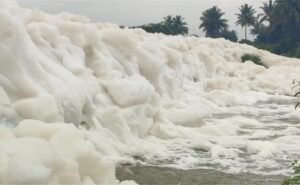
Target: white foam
[{"x": 76, "y": 96}]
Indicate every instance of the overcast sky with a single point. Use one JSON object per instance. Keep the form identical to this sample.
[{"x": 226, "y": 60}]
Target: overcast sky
[{"x": 137, "y": 12}]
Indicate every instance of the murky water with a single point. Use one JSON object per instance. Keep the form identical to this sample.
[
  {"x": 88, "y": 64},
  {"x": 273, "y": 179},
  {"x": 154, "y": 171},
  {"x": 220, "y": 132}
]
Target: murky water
[
  {"x": 258, "y": 147},
  {"x": 147, "y": 175}
]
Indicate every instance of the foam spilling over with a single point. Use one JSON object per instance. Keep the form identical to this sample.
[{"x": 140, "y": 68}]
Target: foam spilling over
[{"x": 77, "y": 97}]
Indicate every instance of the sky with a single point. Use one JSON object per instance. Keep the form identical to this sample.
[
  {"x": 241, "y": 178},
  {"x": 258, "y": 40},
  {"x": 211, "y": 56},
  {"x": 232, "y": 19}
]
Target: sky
[{"x": 138, "y": 12}]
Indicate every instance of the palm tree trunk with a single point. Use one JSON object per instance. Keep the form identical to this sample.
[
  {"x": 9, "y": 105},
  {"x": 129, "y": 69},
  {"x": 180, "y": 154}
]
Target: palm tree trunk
[{"x": 246, "y": 32}]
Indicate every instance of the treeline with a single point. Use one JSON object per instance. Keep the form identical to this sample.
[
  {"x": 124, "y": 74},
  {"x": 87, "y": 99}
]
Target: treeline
[
  {"x": 169, "y": 26},
  {"x": 276, "y": 29}
]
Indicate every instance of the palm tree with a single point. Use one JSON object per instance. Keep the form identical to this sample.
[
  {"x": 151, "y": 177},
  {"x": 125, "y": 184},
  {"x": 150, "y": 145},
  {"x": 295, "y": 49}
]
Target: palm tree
[
  {"x": 174, "y": 25},
  {"x": 287, "y": 14},
  {"x": 212, "y": 22},
  {"x": 267, "y": 8},
  {"x": 167, "y": 25},
  {"x": 246, "y": 17},
  {"x": 258, "y": 26},
  {"x": 179, "y": 25}
]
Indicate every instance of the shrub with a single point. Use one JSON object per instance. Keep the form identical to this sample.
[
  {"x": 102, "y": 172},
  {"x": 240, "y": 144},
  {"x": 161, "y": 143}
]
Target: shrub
[
  {"x": 295, "y": 179},
  {"x": 254, "y": 58}
]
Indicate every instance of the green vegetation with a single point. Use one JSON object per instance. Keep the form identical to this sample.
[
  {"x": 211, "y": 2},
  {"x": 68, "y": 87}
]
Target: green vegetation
[
  {"x": 215, "y": 26},
  {"x": 297, "y": 52},
  {"x": 229, "y": 35},
  {"x": 169, "y": 26},
  {"x": 254, "y": 58},
  {"x": 279, "y": 28},
  {"x": 212, "y": 22},
  {"x": 276, "y": 29},
  {"x": 246, "y": 17},
  {"x": 295, "y": 179}
]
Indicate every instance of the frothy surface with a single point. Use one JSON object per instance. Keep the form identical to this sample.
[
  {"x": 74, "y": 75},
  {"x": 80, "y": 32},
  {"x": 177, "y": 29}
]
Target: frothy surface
[{"x": 76, "y": 97}]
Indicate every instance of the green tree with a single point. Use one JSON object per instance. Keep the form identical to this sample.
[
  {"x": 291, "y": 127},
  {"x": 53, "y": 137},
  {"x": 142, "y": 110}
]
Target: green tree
[
  {"x": 170, "y": 26},
  {"x": 179, "y": 26},
  {"x": 152, "y": 28},
  {"x": 246, "y": 17},
  {"x": 268, "y": 9},
  {"x": 229, "y": 35},
  {"x": 281, "y": 34},
  {"x": 212, "y": 22},
  {"x": 167, "y": 25},
  {"x": 257, "y": 29},
  {"x": 287, "y": 16}
]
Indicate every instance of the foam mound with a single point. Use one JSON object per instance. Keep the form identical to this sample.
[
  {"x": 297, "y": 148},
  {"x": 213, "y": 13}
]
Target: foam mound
[{"x": 77, "y": 96}]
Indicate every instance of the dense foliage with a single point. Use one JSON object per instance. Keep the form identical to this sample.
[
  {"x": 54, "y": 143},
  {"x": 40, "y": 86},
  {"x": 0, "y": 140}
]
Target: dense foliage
[
  {"x": 254, "y": 58},
  {"x": 295, "y": 179},
  {"x": 215, "y": 26},
  {"x": 212, "y": 22},
  {"x": 277, "y": 29},
  {"x": 169, "y": 26},
  {"x": 229, "y": 35}
]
